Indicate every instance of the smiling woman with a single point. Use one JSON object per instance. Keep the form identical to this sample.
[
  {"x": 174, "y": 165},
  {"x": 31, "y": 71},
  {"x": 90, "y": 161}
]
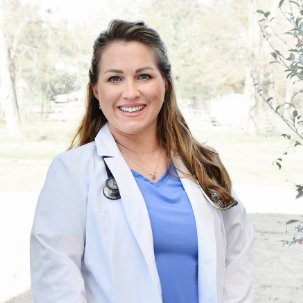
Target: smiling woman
[
  {"x": 134, "y": 90},
  {"x": 138, "y": 210}
]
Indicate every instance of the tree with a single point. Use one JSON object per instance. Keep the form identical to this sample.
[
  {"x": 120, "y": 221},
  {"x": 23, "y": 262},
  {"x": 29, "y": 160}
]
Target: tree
[
  {"x": 8, "y": 80},
  {"x": 48, "y": 55}
]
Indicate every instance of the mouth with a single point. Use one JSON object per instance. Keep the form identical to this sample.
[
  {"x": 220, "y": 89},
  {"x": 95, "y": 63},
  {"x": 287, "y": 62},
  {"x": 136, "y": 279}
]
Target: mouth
[{"x": 133, "y": 109}]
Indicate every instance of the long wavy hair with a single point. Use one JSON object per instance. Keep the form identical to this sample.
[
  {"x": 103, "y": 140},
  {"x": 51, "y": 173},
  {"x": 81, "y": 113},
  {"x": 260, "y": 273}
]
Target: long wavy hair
[{"x": 173, "y": 133}]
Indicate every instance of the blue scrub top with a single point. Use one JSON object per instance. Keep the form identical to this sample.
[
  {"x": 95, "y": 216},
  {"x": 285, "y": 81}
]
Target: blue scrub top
[{"x": 175, "y": 236}]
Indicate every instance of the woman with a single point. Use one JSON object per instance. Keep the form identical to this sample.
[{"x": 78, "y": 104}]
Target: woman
[{"x": 162, "y": 241}]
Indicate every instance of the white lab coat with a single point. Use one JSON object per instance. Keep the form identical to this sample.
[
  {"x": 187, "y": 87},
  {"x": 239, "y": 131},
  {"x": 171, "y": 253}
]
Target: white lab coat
[{"x": 87, "y": 248}]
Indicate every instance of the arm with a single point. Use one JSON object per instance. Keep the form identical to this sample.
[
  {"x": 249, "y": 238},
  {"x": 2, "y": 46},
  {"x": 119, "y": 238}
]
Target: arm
[
  {"x": 58, "y": 236},
  {"x": 238, "y": 285}
]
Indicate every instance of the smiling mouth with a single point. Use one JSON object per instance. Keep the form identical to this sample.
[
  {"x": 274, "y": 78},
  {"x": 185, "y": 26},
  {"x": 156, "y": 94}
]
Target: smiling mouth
[{"x": 132, "y": 109}]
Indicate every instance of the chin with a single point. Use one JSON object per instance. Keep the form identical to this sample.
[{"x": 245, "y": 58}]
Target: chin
[{"x": 133, "y": 128}]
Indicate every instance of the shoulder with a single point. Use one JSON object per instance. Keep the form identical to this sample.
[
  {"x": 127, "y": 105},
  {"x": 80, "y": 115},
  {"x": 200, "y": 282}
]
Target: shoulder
[
  {"x": 79, "y": 160},
  {"x": 79, "y": 154},
  {"x": 236, "y": 218}
]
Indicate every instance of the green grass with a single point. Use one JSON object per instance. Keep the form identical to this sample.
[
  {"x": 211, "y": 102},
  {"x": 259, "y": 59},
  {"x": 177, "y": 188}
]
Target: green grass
[
  {"x": 249, "y": 159},
  {"x": 24, "y": 161}
]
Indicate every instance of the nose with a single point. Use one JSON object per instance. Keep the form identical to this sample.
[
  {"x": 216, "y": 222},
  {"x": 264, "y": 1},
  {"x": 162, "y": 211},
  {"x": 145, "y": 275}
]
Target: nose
[{"x": 130, "y": 90}]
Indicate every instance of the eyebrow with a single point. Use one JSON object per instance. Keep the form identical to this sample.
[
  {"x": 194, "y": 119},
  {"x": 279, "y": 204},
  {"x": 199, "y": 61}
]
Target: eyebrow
[{"x": 119, "y": 71}]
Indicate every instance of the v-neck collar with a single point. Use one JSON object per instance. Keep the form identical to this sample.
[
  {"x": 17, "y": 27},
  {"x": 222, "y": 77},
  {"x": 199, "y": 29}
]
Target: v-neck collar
[{"x": 157, "y": 184}]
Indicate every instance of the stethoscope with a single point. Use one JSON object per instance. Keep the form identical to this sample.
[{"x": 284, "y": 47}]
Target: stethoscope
[{"x": 111, "y": 191}]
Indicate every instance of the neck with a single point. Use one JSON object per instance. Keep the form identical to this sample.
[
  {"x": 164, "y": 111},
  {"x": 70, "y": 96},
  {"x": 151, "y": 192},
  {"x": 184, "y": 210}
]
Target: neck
[{"x": 136, "y": 143}]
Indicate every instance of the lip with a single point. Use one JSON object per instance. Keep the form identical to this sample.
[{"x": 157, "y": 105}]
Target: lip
[
  {"x": 131, "y": 105},
  {"x": 134, "y": 114}
]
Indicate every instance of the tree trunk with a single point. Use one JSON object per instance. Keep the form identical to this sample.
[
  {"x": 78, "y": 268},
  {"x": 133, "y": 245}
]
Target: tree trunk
[
  {"x": 253, "y": 41},
  {"x": 12, "y": 113},
  {"x": 257, "y": 47}
]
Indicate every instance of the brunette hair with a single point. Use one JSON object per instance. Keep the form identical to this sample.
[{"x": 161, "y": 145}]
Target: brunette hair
[{"x": 173, "y": 133}]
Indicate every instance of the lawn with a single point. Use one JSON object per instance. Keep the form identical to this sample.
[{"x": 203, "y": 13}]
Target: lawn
[{"x": 24, "y": 161}]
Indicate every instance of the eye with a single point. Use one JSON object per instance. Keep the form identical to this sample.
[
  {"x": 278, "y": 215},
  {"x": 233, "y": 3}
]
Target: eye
[
  {"x": 114, "y": 79},
  {"x": 144, "y": 77}
]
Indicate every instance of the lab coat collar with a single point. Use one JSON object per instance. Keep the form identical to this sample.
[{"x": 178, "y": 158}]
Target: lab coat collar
[{"x": 106, "y": 144}]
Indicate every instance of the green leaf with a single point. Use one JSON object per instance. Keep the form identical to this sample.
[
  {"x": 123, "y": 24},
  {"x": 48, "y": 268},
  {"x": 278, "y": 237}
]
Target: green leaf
[
  {"x": 294, "y": 113},
  {"x": 301, "y": 59},
  {"x": 256, "y": 84},
  {"x": 299, "y": 195},
  {"x": 274, "y": 55},
  {"x": 278, "y": 164},
  {"x": 272, "y": 19},
  {"x": 285, "y": 104},
  {"x": 298, "y": 142},
  {"x": 267, "y": 14},
  {"x": 260, "y": 12},
  {"x": 292, "y": 221},
  {"x": 286, "y": 136},
  {"x": 301, "y": 27},
  {"x": 280, "y": 3},
  {"x": 269, "y": 99},
  {"x": 292, "y": 56},
  {"x": 273, "y": 62},
  {"x": 300, "y": 192},
  {"x": 301, "y": 12},
  {"x": 279, "y": 159}
]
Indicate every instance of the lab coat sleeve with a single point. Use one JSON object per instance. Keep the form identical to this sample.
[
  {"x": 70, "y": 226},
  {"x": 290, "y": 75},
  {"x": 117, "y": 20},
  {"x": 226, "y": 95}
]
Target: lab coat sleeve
[
  {"x": 238, "y": 281},
  {"x": 58, "y": 236}
]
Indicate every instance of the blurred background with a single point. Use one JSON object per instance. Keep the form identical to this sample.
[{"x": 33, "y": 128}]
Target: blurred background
[{"x": 217, "y": 53}]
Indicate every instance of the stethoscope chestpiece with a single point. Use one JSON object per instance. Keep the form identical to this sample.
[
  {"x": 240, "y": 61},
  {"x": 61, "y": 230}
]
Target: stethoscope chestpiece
[
  {"x": 111, "y": 189},
  {"x": 216, "y": 197}
]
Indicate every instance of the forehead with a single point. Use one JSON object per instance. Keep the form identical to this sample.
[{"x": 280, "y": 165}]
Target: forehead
[{"x": 127, "y": 55}]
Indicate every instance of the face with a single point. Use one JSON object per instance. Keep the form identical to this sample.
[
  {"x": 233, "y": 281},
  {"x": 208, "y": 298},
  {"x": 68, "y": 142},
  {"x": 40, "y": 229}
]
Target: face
[{"x": 130, "y": 88}]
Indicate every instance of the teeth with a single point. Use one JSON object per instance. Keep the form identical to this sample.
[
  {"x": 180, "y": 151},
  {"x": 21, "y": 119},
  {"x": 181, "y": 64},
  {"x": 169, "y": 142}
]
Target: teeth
[{"x": 131, "y": 109}]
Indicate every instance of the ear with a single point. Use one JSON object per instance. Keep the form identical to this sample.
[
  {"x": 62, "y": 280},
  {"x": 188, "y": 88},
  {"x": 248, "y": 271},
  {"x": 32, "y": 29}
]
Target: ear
[
  {"x": 166, "y": 84},
  {"x": 95, "y": 90}
]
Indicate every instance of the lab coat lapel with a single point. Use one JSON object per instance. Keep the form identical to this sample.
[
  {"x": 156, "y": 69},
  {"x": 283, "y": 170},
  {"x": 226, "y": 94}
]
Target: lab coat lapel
[
  {"x": 132, "y": 200},
  {"x": 204, "y": 216}
]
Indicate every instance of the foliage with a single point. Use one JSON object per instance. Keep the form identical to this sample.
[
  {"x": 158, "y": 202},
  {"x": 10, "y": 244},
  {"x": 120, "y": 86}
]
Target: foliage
[
  {"x": 292, "y": 62},
  {"x": 42, "y": 50},
  {"x": 205, "y": 62}
]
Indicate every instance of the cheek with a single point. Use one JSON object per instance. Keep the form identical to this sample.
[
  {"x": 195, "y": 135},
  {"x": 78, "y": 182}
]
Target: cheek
[
  {"x": 156, "y": 94},
  {"x": 107, "y": 96}
]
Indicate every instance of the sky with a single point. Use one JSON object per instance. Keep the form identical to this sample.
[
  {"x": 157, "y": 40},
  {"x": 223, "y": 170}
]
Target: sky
[
  {"x": 78, "y": 10},
  {"x": 74, "y": 10}
]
